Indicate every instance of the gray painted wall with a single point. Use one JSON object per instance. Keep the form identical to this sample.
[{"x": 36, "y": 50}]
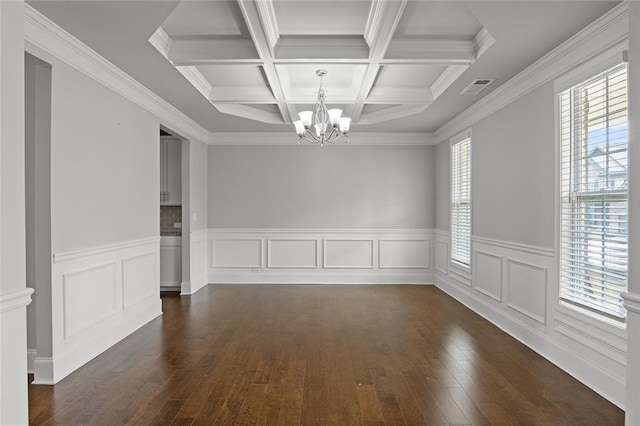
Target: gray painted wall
[
  {"x": 442, "y": 186},
  {"x": 104, "y": 163},
  {"x": 512, "y": 173},
  {"x": 38, "y": 202},
  {"x": 309, "y": 187},
  {"x": 198, "y": 182}
]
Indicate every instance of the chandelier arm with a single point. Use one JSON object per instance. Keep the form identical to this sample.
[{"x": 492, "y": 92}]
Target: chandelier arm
[
  {"x": 337, "y": 135},
  {"x": 332, "y": 136},
  {"x": 313, "y": 139}
]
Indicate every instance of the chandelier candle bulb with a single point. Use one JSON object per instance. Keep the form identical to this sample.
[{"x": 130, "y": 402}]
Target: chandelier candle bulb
[
  {"x": 322, "y": 119},
  {"x": 334, "y": 116},
  {"x": 305, "y": 118},
  {"x": 345, "y": 123}
]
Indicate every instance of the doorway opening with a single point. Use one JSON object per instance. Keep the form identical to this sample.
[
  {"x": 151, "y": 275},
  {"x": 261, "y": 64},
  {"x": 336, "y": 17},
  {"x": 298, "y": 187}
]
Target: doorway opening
[
  {"x": 174, "y": 211},
  {"x": 38, "y": 217}
]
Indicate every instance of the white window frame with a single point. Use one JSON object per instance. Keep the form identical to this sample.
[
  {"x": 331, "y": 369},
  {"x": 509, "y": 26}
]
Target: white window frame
[
  {"x": 454, "y": 263},
  {"x": 579, "y": 74}
]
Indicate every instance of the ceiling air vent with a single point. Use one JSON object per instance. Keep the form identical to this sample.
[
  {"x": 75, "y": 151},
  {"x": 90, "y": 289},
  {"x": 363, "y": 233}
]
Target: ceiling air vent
[{"x": 477, "y": 86}]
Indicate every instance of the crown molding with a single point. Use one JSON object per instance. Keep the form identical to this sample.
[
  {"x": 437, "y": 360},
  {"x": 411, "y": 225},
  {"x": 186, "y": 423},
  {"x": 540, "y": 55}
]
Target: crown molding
[
  {"x": 290, "y": 139},
  {"x": 447, "y": 78},
  {"x": 392, "y": 113},
  {"x": 46, "y": 35},
  {"x": 431, "y": 49},
  {"x": 248, "y": 112},
  {"x": 610, "y": 29},
  {"x": 483, "y": 41}
]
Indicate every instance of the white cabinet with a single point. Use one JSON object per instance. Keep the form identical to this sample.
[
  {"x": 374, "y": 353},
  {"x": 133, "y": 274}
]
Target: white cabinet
[
  {"x": 170, "y": 171},
  {"x": 170, "y": 261}
]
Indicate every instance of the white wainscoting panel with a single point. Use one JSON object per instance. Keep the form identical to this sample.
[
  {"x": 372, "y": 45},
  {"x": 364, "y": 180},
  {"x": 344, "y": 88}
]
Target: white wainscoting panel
[
  {"x": 240, "y": 253},
  {"x": 404, "y": 254},
  {"x": 292, "y": 253},
  {"x": 170, "y": 266},
  {"x": 348, "y": 254},
  {"x": 89, "y": 296},
  {"x": 316, "y": 256},
  {"x": 99, "y": 296},
  {"x": 139, "y": 280},
  {"x": 522, "y": 285},
  {"x": 442, "y": 255},
  {"x": 199, "y": 263},
  {"x": 527, "y": 289},
  {"x": 488, "y": 274}
]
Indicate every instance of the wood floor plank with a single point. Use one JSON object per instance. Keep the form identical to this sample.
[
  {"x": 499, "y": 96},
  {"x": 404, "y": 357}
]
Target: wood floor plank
[{"x": 319, "y": 355}]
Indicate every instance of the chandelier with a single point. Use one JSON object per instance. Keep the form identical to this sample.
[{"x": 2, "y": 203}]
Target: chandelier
[{"x": 329, "y": 125}]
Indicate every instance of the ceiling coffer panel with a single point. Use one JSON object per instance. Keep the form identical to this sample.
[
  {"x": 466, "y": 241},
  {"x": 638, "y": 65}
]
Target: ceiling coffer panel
[{"x": 238, "y": 83}]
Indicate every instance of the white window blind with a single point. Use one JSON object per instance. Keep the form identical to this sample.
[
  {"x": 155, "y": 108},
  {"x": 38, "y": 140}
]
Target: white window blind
[
  {"x": 461, "y": 202},
  {"x": 594, "y": 140}
]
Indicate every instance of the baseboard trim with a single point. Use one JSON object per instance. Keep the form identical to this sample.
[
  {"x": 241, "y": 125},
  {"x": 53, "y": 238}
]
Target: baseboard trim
[
  {"x": 187, "y": 288},
  {"x": 43, "y": 371},
  {"x": 218, "y": 277},
  {"x": 610, "y": 387}
]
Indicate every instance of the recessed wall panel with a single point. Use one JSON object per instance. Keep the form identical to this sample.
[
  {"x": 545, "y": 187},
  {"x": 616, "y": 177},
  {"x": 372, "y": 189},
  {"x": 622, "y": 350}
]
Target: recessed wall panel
[
  {"x": 292, "y": 254},
  {"x": 237, "y": 253},
  {"x": 404, "y": 254},
  {"x": 139, "y": 279},
  {"x": 488, "y": 274},
  {"x": 89, "y": 297},
  {"x": 442, "y": 256},
  {"x": 527, "y": 289},
  {"x": 348, "y": 254}
]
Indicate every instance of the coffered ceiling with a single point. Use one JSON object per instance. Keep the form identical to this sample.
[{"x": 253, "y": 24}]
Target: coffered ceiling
[
  {"x": 249, "y": 65},
  {"x": 384, "y": 60}
]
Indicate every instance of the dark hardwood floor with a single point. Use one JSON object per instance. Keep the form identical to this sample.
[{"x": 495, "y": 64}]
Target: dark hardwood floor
[{"x": 319, "y": 355}]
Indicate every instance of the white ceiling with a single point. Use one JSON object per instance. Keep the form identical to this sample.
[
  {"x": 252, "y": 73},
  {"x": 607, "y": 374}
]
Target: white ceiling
[{"x": 250, "y": 66}]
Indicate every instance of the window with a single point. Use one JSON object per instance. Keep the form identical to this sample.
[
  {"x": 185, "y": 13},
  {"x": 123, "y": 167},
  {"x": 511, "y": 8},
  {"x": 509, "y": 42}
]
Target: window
[
  {"x": 594, "y": 140},
  {"x": 461, "y": 202}
]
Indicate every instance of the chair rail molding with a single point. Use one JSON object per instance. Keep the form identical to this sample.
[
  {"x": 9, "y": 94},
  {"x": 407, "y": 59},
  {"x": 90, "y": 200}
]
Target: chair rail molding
[{"x": 15, "y": 300}]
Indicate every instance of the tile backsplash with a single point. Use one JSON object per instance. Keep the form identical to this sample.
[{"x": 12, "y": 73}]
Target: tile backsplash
[{"x": 170, "y": 215}]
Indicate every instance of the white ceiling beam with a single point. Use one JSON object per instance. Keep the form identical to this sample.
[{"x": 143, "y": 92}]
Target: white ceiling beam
[
  {"x": 269, "y": 24},
  {"x": 162, "y": 42},
  {"x": 381, "y": 25},
  {"x": 202, "y": 51},
  {"x": 243, "y": 95},
  {"x": 431, "y": 49},
  {"x": 483, "y": 41},
  {"x": 196, "y": 78},
  {"x": 249, "y": 112},
  {"x": 304, "y": 48},
  {"x": 391, "y": 113},
  {"x": 252, "y": 19},
  {"x": 400, "y": 95},
  {"x": 446, "y": 79}
]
